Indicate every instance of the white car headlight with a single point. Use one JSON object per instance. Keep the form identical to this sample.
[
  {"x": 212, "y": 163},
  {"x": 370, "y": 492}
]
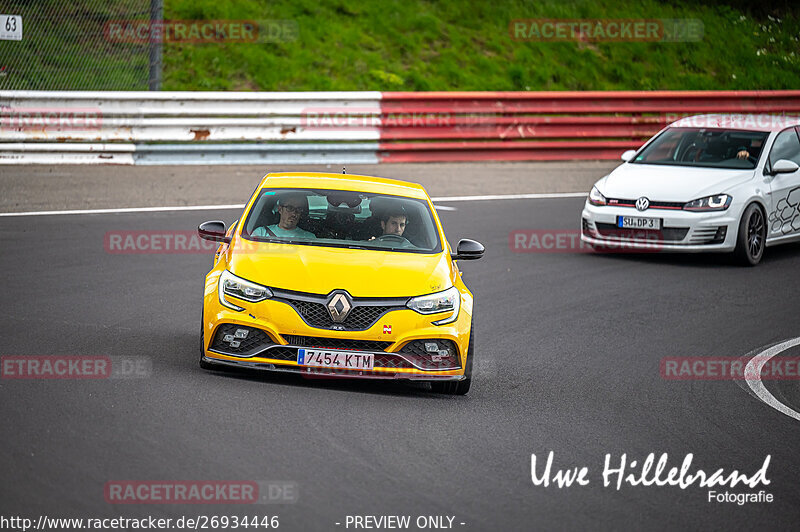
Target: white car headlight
[
  {"x": 719, "y": 202},
  {"x": 237, "y": 287},
  {"x": 595, "y": 198},
  {"x": 445, "y": 301}
]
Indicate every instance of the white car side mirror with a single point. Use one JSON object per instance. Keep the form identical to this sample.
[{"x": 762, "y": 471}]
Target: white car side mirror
[
  {"x": 628, "y": 155},
  {"x": 784, "y": 166}
]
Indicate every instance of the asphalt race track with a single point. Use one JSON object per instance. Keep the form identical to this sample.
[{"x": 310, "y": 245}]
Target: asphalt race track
[{"x": 568, "y": 352}]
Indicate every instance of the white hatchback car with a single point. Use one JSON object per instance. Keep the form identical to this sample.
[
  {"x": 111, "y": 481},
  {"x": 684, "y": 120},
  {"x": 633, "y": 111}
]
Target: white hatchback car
[{"x": 724, "y": 183}]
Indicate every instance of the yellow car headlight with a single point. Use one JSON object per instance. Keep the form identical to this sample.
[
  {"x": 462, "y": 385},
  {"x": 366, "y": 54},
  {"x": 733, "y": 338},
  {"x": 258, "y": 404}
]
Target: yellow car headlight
[
  {"x": 239, "y": 288},
  {"x": 445, "y": 301}
]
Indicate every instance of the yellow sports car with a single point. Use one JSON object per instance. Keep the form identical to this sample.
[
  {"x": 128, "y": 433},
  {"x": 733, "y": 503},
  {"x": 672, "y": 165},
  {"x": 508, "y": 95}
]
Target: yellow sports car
[{"x": 339, "y": 276}]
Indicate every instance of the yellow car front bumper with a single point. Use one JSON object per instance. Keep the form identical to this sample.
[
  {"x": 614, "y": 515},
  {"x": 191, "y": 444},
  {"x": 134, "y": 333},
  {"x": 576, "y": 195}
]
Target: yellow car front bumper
[{"x": 390, "y": 338}]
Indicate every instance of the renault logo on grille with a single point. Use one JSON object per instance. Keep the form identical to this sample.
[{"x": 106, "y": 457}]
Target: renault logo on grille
[
  {"x": 642, "y": 204},
  {"x": 339, "y": 307}
]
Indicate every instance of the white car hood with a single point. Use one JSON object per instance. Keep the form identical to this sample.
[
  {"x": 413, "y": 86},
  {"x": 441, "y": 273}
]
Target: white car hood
[{"x": 669, "y": 183}]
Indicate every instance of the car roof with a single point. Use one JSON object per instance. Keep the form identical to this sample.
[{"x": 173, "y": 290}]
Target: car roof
[
  {"x": 751, "y": 122},
  {"x": 354, "y": 182}
]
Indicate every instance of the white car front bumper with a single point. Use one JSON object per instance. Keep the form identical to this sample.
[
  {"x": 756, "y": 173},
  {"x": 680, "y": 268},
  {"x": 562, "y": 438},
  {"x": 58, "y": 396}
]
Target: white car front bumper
[{"x": 684, "y": 231}]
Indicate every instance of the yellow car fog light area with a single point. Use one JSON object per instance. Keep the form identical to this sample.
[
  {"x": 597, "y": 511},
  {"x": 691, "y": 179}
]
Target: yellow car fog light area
[
  {"x": 235, "y": 339},
  {"x": 231, "y": 285}
]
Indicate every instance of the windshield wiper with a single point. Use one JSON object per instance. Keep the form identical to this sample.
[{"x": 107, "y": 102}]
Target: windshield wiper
[{"x": 278, "y": 240}]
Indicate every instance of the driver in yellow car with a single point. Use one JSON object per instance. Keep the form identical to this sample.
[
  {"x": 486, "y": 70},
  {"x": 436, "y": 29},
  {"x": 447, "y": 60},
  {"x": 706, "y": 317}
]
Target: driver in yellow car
[{"x": 394, "y": 223}]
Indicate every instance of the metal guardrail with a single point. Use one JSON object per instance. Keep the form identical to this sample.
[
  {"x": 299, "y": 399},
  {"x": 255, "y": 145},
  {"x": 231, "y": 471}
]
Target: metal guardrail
[
  {"x": 551, "y": 125},
  {"x": 347, "y": 127},
  {"x": 189, "y": 127},
  {"x": 278, "y": 153},
  {"x": 58, "y": 153}
]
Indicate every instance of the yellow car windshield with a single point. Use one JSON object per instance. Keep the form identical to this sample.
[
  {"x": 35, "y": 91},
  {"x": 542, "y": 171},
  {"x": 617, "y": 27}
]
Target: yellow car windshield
[{"x": 340, "y": 218}]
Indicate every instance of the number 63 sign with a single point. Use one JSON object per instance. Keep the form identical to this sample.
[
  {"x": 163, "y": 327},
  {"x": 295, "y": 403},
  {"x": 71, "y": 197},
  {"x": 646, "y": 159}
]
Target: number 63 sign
[{"x": 10, "y": 27}]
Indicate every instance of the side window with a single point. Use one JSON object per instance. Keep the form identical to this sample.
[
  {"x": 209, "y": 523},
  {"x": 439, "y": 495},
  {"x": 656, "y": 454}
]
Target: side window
[
  {"x": 786, "y": 146},
  {"x": 260, "y": 213}
]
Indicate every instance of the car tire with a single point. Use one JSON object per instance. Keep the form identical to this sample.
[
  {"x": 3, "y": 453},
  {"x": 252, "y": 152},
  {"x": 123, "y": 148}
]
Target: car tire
[
  {"x": 459, "y": 387},
  {"x": 752, "y": 236}
]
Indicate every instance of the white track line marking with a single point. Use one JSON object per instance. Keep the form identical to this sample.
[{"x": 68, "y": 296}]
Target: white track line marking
[
  {"x": 130, "y": 209},
  {"x": 753, "y": 368},
  {"x": 544, "y": 195},
  {"x": 241, "y": 206}
]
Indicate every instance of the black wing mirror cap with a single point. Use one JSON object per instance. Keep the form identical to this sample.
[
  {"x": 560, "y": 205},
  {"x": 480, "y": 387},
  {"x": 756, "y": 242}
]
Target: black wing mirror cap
[
  {"x": 213, "y": 230},
  {"x": 468, "y": 250}
]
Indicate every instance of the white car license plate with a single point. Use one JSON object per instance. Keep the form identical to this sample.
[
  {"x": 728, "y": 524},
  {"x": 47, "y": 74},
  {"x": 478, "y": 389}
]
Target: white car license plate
[
  {"x": 635, "y": 222},
  {"x": 334, "y": 359}
]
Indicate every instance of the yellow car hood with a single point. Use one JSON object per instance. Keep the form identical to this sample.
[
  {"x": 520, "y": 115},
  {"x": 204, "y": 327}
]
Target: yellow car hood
[{"x": 319, "y": 270}]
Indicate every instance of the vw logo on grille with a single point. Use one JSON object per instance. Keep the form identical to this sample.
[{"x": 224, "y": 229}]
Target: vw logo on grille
[
  {"x": 339, "y": 307},
  {"x": 642, "y": 204}
]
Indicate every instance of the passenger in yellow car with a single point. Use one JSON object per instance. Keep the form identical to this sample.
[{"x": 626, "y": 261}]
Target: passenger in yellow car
[{"x": 290, "y": 208}]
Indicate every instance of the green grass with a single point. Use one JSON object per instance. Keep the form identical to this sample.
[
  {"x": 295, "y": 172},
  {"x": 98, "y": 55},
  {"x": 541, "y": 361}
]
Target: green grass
[
  {"x": 405, "y": 45},
  {"x": 457, "y": 45}
]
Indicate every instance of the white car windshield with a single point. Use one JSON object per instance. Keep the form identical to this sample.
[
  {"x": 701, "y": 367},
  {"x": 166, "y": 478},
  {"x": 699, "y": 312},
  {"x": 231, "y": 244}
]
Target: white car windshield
[
  {"x": 338, "y": 218},
  {"x": 714, "y": 148}
]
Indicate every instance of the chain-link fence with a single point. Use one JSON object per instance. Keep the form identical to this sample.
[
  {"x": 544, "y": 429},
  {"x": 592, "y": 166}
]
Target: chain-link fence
[{"x": 64, "y": 45}]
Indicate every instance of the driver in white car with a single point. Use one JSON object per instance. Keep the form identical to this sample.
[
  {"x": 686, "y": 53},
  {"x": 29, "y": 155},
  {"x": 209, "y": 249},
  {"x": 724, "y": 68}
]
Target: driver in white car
[{"x": 745, "y": 152}]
